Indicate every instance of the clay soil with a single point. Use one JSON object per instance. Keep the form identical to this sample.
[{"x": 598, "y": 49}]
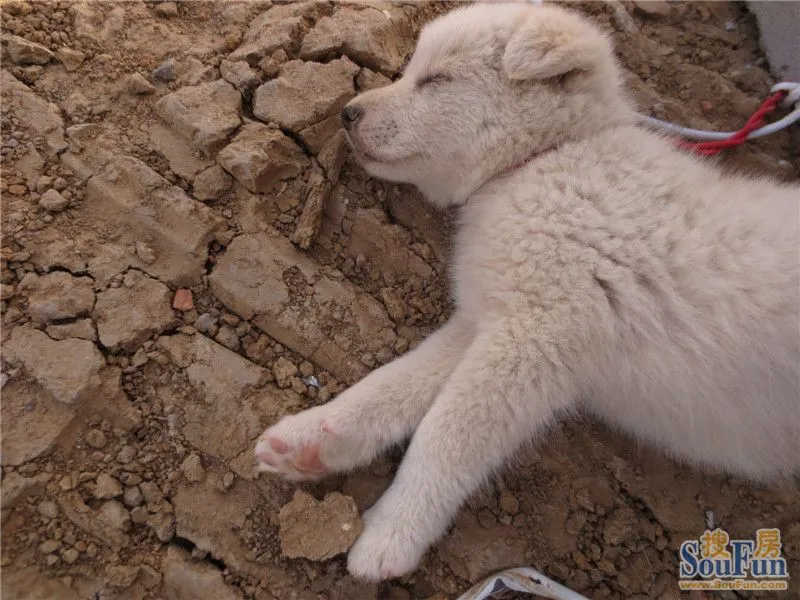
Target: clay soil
[{"x": 189, "y": 252}]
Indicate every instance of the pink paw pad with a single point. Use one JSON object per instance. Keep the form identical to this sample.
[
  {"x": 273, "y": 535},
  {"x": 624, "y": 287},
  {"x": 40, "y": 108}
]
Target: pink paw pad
[
  {"x": 308, "y": 459},
  {"x": 278, "y": 445}
]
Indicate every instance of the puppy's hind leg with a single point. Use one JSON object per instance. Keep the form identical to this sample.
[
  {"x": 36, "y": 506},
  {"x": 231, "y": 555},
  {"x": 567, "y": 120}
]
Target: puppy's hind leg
[
  {"x": 498, "y": 397},
  {"x": 380, "y": 410}
]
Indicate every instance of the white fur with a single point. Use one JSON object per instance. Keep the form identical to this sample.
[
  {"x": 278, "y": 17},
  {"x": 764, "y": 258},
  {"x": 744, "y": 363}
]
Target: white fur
[{"x": 612, "y": 274}]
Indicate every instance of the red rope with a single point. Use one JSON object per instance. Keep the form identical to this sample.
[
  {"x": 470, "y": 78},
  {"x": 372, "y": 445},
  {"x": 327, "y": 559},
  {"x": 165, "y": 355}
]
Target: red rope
[{"x": 740, "y": 137}]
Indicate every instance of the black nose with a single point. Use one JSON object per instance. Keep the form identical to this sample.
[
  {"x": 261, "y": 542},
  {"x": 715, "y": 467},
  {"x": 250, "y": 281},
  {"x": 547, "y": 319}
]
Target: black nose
[{"x": 350, "y": 114}]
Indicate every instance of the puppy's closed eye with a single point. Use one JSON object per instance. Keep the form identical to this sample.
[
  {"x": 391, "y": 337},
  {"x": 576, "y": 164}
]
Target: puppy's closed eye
[{"x": 433, "y": 78}]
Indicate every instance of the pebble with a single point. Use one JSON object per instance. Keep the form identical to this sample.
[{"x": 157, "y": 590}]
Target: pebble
[
  {"x": 49, "y": 546},
  {"x": 96, "y": 438},
  {"x": 107, "y": 487},
  {"x": 205, "y": 323},
  {"x": 284, "y": 370},
  {"x": 136, "y": 84},
  {"x": 139, "y": 515},
  {"x": 227, "y": 480},
  {"x": 70, "y": 555},
  {"x": 192, "y": 468},
  {"x": 132, "y": 496},
  {"x": 145, "y": 253},
  {"x": 183, "y": 300},
  {"x": 508, "y": 502},
  {"x": 227, "y": 337},
  {"x": 167, "y": 9},
  {"x": 126, "y": 455},
  {"x": 165, "y": 71},
  {"x": 48, "y": 509},
  {"x": 53, "y": 201}
]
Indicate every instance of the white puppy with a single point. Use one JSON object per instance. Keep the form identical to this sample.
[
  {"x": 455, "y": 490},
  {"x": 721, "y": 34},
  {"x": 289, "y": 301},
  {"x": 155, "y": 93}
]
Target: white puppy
[{"x": 597, "y": 268}]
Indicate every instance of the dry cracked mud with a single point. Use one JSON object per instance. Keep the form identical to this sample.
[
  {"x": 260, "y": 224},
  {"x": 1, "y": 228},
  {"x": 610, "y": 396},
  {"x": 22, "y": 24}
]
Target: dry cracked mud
[{"x": 189, "y": 252}]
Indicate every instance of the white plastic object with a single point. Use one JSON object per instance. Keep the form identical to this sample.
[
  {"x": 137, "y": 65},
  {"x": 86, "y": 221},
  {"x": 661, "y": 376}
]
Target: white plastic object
[{"x": 522, "y": 579}]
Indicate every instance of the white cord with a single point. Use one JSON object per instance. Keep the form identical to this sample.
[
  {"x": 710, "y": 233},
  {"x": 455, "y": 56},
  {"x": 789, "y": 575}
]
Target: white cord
[{"x": 792, "y": 99}]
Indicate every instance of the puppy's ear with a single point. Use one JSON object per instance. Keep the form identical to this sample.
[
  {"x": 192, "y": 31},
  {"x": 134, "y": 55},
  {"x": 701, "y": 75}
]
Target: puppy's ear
[{"x": 552, "y": 42}]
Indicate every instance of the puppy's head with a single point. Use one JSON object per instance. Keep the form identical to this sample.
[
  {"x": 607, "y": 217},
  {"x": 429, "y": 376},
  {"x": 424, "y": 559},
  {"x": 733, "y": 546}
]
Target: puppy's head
[{"x": 488, "y": 86}]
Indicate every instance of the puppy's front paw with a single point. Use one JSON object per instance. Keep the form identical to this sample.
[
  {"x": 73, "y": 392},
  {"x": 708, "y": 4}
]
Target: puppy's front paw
[
  {"x": 385, "y": 549},
  {"x": 292, "y": 448}
]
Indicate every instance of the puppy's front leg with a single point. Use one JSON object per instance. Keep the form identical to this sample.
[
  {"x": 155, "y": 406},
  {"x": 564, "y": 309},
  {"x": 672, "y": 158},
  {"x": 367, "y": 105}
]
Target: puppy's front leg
[
  {"x": 380, "y": 410},
  {"x": 499, "y": 395}
]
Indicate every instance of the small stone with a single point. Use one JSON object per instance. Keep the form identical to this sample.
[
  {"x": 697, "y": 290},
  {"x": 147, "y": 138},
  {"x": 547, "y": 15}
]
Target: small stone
[
  {"x": 227, "y": 337},
  {"x": 227, "y": 480},
  {"x": 82, "y": 329},
  {"x": 126, "y": 454},
  {"x": 211, "y": 184},
  {"x": 139, "y": 515},
  {"x": 49, "y": 546},
  {"x": 165, "y": 71},
  {"x": 136, "y": 84},
  {"x": 152, "y": 493},
  {"x": 192, "y": 468},
  {"x": 318, "y": 530},
  {"x": 96, "y": 438},
  {"x": 145, "y": 253},
  {"x": 107, "y": 487},
  {"x": 166, "y": 9},
  {"x": 239, "y": 74},
  {"x": 204, "y": 323},
  {"x": 163, "y": 525},
  {"x": 48, "y": 509},
  {"x": 183, "y": 300},
  {"x": 23, "y": 52},
  {"x": 140, "y": 358},
  {"x": 113, "y": 514},
  {"x": 653, "y": 8},
  {"x": 284, "y": 370},
  {"x": 59, "y": 295},
  {"x": 132, "y": 497},
  {"x": 508, "y": 502},
  {"x": 706, "y": 106},
  {"x": 70, "y": 555},
  {"x": 71, "y": 59},
  {"x": 53, "y": 201}
]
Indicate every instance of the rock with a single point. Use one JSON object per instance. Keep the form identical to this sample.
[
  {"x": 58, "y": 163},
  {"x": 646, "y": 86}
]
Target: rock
[
  {"x": 106, "y": 487},
  {"x": 41, "y": 117},
  {"x": 82, "y": 329},
  {"x": 184, "y": 159},
  {"x": 370, "y": 80},
  {"x": 108, "y": 523},
  {"x": 136, "y": 84},
  {"x": 48, "y": 509},
  {"x": 165, "y": 71},
  {"x": 132, "y": 497},
  {"x": 318, "y": 530},
  {"x": 395, "y": 306},
  {"x": 239, "y": 74},
  {"x": 183, "y": 300},
  {"x": 192, "y": 468},
  {"x": 260, "y": 156},
  {"x": 16, "y": 487},
  {"x": 139, "y": 515},
  {"x": 211, "y": 184},
  {"x": 153, "y": 495},
  {"x": 620, "y": 527},
  {"x": 71, "y": 59},
  {"x": 163, "y": 525},
  {"x": 473, "y": 551},
  {"x": 284, "y": 370},
  {"x": 653, "y": 8},
  {"x": 126, "y": 317},
  {"x": 59, "y": 295},
  {"x": 305, "y": 93},
  {"x": 508, "y": 502},
  {"x": 96, "y": 438},
  {"x": 69, "y": 369},
  {"x": 206, "y": 114},
  {"x": 28, "y": 584},
  {"x": 23, "y": 52},
  {"x": 249, "y": 280},
  {"x": 214, "y": 522},
  {"x": 122, "y": 576},
  {"x": 227, "y": 337},
  {"x": 166, "y": 9},
  {"x": 280, "y": 27},
  {"x": 227, "y": 422},
  {"x": 53, "y": 201},
  {"x": 32, "y": 422},
  {"x": 206, "y": 323},
  {"x": 332, "y": 156},
  {"x": 135, "y": 204},
  {"x": 49, "y": 546},
  {"x": 311, "y": 218},
  {"x": 186, "y": 579},
  {"x": 366, "y": 36}
]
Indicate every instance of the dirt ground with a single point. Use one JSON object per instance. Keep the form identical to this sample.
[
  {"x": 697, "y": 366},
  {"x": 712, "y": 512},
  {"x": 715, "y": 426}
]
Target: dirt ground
[{"x": 189, "y": 253}]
